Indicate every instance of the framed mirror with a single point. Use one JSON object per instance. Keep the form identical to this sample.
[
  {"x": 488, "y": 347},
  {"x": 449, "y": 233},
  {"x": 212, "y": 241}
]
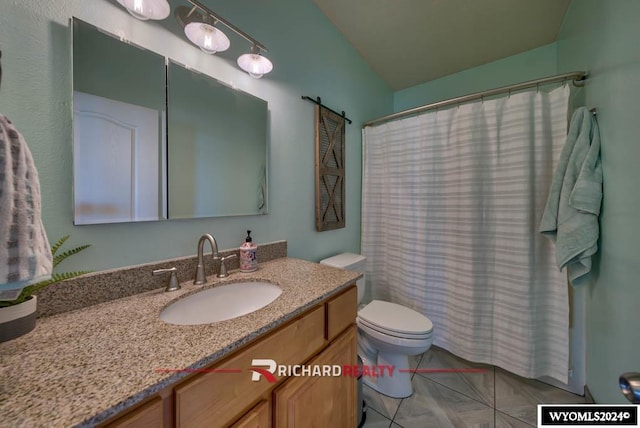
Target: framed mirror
[
  {"x": 217, "y": 147},
  {"x": 118, "y": 129},
  {"x": 155, "y": 140}
]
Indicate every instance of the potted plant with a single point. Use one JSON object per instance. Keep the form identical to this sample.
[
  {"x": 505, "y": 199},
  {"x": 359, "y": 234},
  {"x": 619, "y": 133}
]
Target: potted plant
[{"x": 18, "y": 317}]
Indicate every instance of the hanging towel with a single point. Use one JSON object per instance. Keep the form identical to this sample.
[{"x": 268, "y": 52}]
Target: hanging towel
[
  {"x": 25, "y": 255},
  {"x": 570, "y": 218}
]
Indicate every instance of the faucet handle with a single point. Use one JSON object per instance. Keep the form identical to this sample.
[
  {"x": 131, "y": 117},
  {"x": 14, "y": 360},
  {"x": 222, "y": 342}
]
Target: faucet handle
[
  {"x": 173, "y": 284},
  {"x": 223, "y": 269}
]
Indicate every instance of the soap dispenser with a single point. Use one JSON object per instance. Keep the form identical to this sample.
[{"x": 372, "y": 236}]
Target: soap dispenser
[{"x": 248, "y": 255}]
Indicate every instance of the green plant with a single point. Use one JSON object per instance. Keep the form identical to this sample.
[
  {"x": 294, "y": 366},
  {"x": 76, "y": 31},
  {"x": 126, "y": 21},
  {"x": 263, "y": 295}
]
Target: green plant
[{"x": 30, "y": 290}]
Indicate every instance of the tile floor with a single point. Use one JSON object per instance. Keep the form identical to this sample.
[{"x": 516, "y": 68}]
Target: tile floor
[{"x": 491, "y": 399}]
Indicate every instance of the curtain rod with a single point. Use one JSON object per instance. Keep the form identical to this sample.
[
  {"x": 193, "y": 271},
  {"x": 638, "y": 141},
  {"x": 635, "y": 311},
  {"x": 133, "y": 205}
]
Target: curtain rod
[
  {"x": 318, "y": 101},
  {"x": 578, "y": 78}
]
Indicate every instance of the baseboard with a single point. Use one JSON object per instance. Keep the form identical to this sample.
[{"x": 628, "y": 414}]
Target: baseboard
[{"x": 587, "y": 395}]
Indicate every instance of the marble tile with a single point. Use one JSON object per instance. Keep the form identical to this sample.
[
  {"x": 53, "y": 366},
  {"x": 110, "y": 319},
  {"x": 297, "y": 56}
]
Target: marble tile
[
  {"x": 435, "y": 406},
  {"x": 518, "y": 397},
  {"x": 376, "y": 420},
  {"x": 505, "y": 421},
  {"x": 384, "y": 405},
  {"x": 479, "y": 386}
]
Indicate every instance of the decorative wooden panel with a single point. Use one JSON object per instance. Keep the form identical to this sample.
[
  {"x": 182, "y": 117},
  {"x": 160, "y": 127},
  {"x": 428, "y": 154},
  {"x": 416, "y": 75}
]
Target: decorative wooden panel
[{"x": 330, "y": 170}]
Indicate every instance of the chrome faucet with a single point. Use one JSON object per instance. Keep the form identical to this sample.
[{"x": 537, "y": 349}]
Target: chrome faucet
[{"x": 201, "y": 278}]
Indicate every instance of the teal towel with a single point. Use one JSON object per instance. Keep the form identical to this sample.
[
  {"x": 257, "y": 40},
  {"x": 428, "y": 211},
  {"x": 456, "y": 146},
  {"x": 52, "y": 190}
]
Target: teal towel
[{"x": 573, "y": 206}]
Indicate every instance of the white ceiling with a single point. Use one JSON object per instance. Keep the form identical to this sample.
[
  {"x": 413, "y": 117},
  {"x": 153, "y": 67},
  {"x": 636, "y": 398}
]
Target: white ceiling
[{"x": 408, "y": 42}]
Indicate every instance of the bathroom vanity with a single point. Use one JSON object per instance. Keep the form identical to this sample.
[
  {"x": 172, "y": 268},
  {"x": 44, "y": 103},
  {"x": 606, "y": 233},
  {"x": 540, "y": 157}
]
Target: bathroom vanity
[
  {"x": 117, "y": 364},
  {"x": 224, "y": 394}
]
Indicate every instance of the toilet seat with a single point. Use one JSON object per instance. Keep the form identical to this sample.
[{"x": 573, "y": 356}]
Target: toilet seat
[
  {"x": 395, "y": 320},
  {"x": 370, "y": 327}
]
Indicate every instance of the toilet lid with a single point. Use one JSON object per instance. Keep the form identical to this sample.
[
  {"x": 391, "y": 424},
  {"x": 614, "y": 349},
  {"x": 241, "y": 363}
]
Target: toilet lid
[
  {"x": 368, "y": 327},
  {"x": 392, "y": 317}
]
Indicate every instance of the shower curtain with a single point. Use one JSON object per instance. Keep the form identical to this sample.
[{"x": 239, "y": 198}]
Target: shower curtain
[{"x": 452, "y": 201}]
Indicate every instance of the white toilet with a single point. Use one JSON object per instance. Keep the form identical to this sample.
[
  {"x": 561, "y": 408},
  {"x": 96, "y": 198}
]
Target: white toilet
[{"x": 388, "y": 334}]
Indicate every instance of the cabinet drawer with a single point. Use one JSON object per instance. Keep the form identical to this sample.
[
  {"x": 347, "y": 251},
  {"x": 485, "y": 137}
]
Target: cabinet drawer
[
  {"x": 216, "y": 399},
  {"x": 146, "y": 416},
  {"x": 341, "y": 312}
]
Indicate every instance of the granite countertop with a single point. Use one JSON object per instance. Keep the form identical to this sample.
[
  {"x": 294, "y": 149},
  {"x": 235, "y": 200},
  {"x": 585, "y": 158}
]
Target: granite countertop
[{"x": 83, "y": 366}]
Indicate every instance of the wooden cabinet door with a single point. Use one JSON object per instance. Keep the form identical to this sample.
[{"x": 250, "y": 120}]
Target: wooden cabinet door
[{"x": 320, "y": 402}]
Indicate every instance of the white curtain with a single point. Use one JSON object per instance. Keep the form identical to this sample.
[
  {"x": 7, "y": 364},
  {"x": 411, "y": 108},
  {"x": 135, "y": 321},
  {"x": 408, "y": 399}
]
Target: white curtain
[{"x": 452, "y": 200}]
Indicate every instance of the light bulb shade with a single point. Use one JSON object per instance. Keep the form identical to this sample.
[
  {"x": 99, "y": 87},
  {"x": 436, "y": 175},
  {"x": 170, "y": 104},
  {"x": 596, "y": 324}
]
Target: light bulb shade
[
  {"x": 207, "y": 37},
  {"x": 147, "y": 9},
  {"x": 255, "y": 64}
]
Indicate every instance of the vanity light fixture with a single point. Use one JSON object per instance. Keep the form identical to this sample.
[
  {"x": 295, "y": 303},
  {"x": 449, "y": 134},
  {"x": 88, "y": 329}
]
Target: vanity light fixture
[
  {"x": 147, "y": 9},
  {"x": 201, "y": 31},
  {"x": 199, "y": 24},
  {"x": 203, "y": 20},
  {"x": 254, "y": 63}
]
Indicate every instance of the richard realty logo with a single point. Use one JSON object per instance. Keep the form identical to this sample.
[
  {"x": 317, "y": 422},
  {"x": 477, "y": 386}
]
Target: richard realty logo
[
  {"x": 270, "y": 370},
  {"x": 267, "y": 373}
]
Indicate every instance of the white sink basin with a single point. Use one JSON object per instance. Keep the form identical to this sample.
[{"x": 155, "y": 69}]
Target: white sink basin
[{"x": 221, "y": 303}]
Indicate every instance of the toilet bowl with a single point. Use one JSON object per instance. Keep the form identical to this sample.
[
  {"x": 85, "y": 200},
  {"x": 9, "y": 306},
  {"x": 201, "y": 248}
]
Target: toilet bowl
[{"x": 388, "y": 334}]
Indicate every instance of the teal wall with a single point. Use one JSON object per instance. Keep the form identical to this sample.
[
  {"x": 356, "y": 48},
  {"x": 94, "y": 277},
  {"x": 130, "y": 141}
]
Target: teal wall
[
  {"x": 533, "y": 64},
  {"x": 310, "y": 58},
  {"x": 602, "y": 37}
]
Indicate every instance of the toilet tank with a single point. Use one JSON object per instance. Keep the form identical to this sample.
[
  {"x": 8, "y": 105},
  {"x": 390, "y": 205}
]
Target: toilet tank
[{"x": 350, "y": 261}]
